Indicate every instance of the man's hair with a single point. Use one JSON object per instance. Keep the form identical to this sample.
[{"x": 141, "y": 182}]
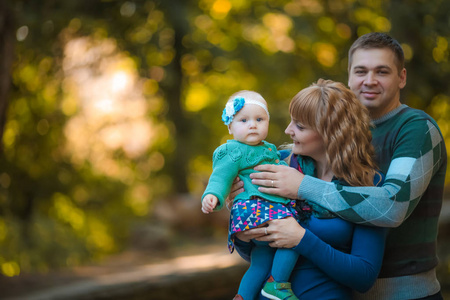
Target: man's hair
[{"x": 378, "y": 40}]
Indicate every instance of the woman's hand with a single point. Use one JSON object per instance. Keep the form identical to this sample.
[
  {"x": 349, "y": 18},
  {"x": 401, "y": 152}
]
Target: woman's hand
[
  {"x": 250, "y": 234},
  {"x": 236, "y": 188},
  {"x": 281, "y": 233},
  {"x": 277, "y": 180}
]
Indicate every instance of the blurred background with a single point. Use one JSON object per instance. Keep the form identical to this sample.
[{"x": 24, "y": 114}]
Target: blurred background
[{"x": 110, "y": 112}]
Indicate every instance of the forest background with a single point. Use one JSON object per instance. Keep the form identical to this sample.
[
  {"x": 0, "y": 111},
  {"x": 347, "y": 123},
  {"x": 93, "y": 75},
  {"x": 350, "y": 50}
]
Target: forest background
[{"x": 110, "y": 110}]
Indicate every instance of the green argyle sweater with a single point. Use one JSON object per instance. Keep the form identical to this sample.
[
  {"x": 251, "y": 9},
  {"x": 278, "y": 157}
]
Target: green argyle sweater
[
  {"x": 238, "y": 159},
  {"x": 410, "y": 150}
]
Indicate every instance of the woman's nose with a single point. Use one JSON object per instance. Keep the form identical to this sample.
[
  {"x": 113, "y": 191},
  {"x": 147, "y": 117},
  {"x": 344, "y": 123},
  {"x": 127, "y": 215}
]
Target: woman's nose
[{"x": 288, "y": 129}]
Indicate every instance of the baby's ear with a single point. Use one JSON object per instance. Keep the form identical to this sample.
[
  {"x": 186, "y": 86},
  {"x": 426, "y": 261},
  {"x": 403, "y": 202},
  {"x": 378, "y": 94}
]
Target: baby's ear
[{"x": 229, "y": 129}]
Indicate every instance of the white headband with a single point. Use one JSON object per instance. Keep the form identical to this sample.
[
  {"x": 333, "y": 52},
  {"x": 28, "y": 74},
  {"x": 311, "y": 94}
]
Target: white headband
[
  {"x": 251, "y": 101},
  {"x": 233, "y": 107}
]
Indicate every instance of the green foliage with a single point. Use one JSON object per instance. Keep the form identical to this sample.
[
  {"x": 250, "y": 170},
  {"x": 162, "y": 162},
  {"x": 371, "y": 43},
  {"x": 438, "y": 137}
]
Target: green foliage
[{"x": 84, "y": 159}]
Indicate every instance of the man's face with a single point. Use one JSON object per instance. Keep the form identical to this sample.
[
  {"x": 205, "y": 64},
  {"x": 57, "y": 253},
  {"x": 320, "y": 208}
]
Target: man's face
[{"x": 376, "y": 81}]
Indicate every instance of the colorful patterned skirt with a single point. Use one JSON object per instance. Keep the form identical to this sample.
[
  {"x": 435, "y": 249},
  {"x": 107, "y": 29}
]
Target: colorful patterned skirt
[{"x": 248, "y": 214}]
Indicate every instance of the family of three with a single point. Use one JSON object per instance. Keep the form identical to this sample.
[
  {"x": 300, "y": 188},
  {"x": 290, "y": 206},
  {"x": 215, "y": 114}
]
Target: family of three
[{"x": 348, "y": 210}]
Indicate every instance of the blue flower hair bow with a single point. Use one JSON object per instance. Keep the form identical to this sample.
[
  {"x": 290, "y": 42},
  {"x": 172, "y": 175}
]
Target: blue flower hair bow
[{"x": 231, "y": 109}]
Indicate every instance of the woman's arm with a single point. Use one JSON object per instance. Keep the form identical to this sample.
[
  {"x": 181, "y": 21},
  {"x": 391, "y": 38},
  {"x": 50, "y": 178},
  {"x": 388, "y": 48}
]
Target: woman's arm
[{"x": 357, "y": 270}]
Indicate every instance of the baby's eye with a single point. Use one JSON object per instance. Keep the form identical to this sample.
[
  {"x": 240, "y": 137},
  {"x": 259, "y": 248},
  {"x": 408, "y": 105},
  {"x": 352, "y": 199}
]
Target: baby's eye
[
  {"x": 243, "y": 120},
  {"x": 259, "y": 119}
]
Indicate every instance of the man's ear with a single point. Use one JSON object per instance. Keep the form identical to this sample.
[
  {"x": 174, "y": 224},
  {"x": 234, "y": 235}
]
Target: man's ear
[{"x": 402, "y": 79}]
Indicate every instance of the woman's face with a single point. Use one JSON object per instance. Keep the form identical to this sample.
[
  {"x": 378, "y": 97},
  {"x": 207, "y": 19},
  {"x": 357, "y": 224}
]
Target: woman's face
[{"x": 306, "y": 141}]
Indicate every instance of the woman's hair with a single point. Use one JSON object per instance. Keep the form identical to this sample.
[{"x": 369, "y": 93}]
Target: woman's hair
[{"x": 333, "y": 111}]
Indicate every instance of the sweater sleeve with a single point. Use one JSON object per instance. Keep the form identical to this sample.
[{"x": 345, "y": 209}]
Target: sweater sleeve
[
  {"x": 226, "y": 165},
  {"x": 357, "y": 270},
  {"x": 417, "y": 155}
]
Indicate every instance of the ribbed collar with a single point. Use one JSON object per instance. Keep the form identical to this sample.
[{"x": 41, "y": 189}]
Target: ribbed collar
[{"x": 389, "y": 115}]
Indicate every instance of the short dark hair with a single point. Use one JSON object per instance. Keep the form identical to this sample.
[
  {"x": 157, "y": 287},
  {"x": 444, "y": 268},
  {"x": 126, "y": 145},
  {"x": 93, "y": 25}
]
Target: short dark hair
[{"x": 378, "y": 40}]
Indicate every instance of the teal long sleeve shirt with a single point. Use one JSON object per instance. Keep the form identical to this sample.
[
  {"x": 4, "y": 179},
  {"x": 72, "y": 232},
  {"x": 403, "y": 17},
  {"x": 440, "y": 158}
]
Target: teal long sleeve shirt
[{"x": 238, "y": 159}]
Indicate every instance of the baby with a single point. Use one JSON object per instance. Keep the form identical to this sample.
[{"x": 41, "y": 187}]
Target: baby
[{"x": 247, "y": 118}]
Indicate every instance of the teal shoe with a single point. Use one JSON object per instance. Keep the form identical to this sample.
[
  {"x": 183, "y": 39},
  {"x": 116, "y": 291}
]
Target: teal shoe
[{"x": 278, "y": 290}]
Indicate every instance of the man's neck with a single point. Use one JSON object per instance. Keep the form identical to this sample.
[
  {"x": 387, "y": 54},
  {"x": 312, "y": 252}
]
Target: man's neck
[
  {"x": 388, "y": 115},
  {"x": 379, "y": 113}
]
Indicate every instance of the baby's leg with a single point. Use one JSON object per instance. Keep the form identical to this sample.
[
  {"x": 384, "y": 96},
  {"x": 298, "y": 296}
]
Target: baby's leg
[
  {"x": 256, "y": 275},
  {"x": 283, "y": 264}
]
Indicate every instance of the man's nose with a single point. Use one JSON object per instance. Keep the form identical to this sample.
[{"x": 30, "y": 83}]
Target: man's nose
[{"x": 370, "y": 79}]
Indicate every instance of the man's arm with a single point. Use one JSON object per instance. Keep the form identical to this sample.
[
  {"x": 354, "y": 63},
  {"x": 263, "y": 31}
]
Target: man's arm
[{"x": 409, "y": 175}]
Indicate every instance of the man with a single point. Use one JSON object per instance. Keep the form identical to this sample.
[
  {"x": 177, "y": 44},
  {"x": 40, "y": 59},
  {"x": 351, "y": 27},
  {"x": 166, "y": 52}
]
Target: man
[{"x": 411, "y": 152}]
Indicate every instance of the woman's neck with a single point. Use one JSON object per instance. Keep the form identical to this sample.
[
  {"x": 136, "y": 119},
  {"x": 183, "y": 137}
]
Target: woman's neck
[{"x": 324, "y": 171}]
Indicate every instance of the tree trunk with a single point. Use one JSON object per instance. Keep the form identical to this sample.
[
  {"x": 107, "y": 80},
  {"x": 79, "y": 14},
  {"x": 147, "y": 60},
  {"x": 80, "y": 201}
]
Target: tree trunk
[
  {"x": 7, "y": 40},
  {"x": 173, "y": 85}
]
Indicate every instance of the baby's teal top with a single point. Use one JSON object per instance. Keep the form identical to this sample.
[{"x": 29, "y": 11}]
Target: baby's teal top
[{"x": 238, "y": 159}]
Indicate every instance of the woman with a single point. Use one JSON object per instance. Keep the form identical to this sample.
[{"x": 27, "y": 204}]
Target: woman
[{"x": 331, "y": 141}]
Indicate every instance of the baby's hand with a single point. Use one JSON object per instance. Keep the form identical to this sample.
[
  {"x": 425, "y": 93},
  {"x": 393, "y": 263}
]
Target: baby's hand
[{"x": 209, "y": 203}]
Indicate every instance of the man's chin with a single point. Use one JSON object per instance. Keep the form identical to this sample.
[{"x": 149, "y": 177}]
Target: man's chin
[{"x": 368, "y": 102}]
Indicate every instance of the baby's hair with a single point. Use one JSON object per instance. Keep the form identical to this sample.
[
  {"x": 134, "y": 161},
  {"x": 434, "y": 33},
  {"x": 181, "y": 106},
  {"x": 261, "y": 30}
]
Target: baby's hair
[
  {"x": 247, "y": 95},
  {"x": 333, "y": 111}
]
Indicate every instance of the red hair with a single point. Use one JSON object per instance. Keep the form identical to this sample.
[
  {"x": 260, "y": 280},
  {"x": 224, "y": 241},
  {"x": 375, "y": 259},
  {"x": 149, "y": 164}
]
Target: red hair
[{"x": 333, "y": 111}]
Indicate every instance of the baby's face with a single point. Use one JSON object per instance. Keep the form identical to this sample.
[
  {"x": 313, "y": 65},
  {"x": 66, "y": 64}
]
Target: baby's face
[{"x": 250, "y": 125}]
